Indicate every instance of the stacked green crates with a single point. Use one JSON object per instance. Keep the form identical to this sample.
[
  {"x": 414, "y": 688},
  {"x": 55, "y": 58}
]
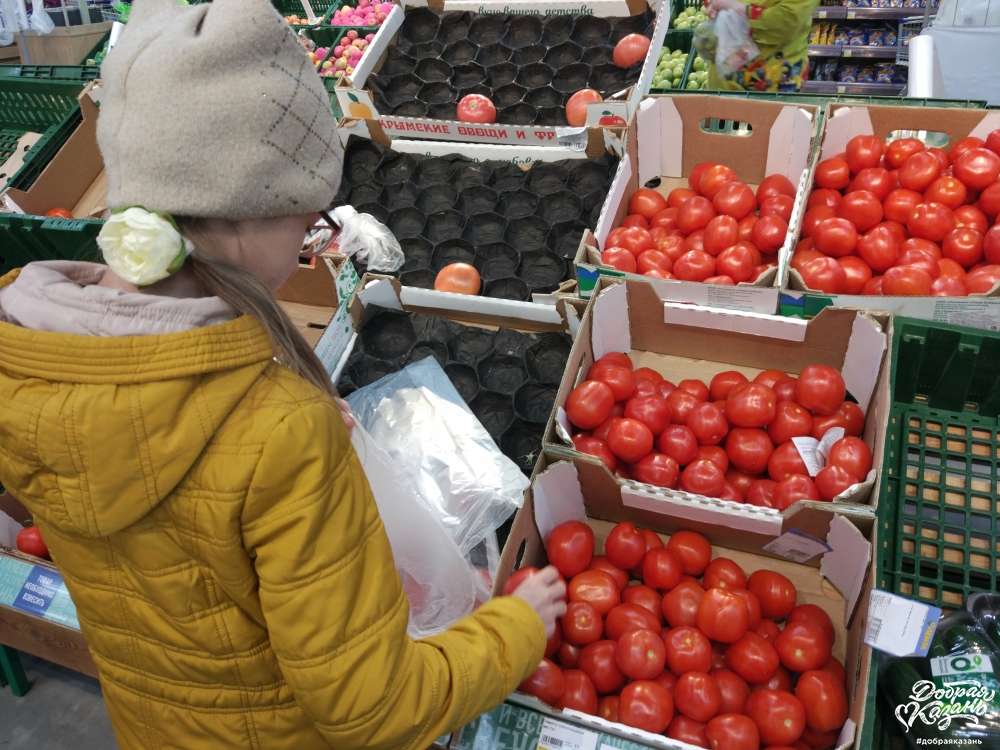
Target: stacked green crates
[{"x": 24, "y": 239}]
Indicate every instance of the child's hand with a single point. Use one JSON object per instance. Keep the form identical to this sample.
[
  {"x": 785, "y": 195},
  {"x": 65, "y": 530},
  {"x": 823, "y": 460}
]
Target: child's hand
[
  {"x": 345, "y": 413},
  {"x": 545, "y": 592}
]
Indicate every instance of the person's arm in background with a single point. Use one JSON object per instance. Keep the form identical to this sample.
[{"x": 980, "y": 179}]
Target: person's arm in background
[
  {"x": 337, "y": 614},
  {"x": 777, "y": 24}
]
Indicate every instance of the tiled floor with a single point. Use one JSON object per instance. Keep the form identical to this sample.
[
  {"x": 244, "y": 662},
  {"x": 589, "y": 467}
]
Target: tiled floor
[{"x": 63, "y": 710}]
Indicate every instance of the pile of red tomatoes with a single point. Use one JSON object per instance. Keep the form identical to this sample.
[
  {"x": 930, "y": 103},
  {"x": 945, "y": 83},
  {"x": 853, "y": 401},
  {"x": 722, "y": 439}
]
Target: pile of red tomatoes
[
  {"x": 730, "y": 438},
  {"x": 904, "y": 219},
  {"x": 693, "y": 647},
  {"x": 717, "y": 230}
]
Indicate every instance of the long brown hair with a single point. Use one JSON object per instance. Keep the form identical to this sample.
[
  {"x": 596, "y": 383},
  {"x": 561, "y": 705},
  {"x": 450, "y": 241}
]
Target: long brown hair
[{"x": 247, "y": 295}]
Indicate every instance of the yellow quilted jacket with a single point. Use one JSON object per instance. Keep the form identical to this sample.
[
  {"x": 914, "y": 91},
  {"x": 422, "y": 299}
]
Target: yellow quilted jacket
[{"x": 227, "y": 561}]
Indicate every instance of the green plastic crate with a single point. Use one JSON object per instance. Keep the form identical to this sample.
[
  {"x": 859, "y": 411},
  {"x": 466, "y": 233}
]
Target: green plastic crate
[
  {"x": 91, "y": 56},
  {"x": 939, "y": 505},
  {"x": 24, "y": 239},
  {"x": 51, "y": 72}
]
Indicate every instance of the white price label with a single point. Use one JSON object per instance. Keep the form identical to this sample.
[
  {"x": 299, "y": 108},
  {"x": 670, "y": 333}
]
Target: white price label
[
  {"x": 900, "y": 626},
  {"x": 807, "y": 448},
  {"x": 557, "y": 735}
]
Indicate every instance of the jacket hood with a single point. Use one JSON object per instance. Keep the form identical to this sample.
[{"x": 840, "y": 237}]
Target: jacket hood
[{"x": 96, "y": 431}]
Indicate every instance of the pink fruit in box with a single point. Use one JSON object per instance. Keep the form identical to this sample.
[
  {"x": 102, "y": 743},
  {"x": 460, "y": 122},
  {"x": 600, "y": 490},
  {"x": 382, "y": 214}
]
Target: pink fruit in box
[
  {"x": 327, "y": 65},
  {"x": 369, "y": 38},
  {"x": 338, "y": 50},
  {"x": 340, "y": 64},
  {"x": 352, "y": 34}
]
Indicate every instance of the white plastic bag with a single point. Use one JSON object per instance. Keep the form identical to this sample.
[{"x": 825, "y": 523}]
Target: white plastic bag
[
  {"x": 6, "y": 34},
  {"x": 14, "y": 16},
  {"x": 734, "y": 45},
  {"x": 368, "y": 238},
  {"x": 41, "y": 22}
]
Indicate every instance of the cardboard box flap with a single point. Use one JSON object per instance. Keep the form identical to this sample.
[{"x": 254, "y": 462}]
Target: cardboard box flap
[
  {"x": 558, "y": 497},
  {"x": 735, "y": 321},
  {"x": 846, "y": 564},
  {"x": 616, "y": 192},
  {"x": 699, "y": 509},
  {"x": 313, "y": 283},
  {"x": 610, "y": 332},
  {"x": 860, "y": 369}
]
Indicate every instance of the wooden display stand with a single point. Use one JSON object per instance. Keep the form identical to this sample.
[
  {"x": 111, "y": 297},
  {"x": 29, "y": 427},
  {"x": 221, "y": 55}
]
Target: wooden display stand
[{"x": 66, "y": 45}]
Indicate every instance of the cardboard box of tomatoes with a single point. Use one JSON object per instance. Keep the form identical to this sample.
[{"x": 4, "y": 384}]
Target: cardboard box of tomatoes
[
  {"x": 710, "y": 189},
  {"x": 711, "y": 641},
  {"x": 900, "y": 216},
  {"x": 657, "y": 398},
  {"x": 431, "y": 69}
]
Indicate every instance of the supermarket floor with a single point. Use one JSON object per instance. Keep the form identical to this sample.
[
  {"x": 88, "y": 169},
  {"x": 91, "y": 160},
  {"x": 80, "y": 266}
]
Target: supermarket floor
[{"x": 63, "y": 710}]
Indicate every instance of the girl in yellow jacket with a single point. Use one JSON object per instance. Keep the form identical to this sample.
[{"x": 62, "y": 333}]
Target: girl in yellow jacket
[{"x": 179, "y": 443}]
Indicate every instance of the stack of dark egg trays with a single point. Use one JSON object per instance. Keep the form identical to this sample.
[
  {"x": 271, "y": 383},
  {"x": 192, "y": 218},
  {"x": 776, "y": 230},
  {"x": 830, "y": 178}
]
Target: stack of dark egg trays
[
  {"x": 527, "y": 65},
  {"x": 508, "y": 378},
  {"x": 520, "y": 228}
]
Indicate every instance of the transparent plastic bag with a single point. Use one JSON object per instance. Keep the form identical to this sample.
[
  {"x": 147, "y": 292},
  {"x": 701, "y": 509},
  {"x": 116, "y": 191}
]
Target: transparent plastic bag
[
  {"x": 14, "y": 14},
  {"x": 6, "y": 34},
  {"x": 40, "y": 22},
  {"x": 734, "y": 46},
  {"x": 368, "y": 238}
]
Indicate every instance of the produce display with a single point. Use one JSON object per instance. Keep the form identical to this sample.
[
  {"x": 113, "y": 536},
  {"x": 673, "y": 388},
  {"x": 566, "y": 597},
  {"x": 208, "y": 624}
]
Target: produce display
[
  {"x": 689, "y": 18},
  {"x": 366, "y": 13},
  {"x": 670, "y": 69},
  {"x": 340, "y": 59},
  {"x": 518, "y": 227},
  {"x": 716, "y": 230},
  {"x": 746, "y": 441},
  {"x": 698, "y": 77},
  {"x": 899, "y": 218},
  {"x": 528, "y": 67},
  {"x": 668, "y": 639},
  {"x": 507, "y": 378},
  {"x": 29, "y": 541}
]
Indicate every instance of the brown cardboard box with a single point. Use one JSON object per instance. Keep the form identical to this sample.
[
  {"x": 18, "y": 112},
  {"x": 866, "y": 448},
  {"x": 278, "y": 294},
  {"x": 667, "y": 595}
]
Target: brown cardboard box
[
  {"x": 667, "y": 138},
  {"x": 681, "y": 341}
]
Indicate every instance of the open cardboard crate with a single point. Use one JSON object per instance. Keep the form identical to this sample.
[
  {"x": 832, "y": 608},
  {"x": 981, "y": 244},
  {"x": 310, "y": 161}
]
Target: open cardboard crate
[
  {"x": 937, "y": 126},
  {"x": 356, "y": 99},
  {"x": 316, "y": 298},
  {"x": 683, "y": 341},
  {"x": 838, "y": 581},
  {"x": 672, "y": 134}
]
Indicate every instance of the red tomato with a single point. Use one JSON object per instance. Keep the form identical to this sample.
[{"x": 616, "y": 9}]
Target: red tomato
[
  {"x": 580, "y": 694},
  {"x": 879, "y": 248},
  {"x": 899, "y": 204},
  {"x": 733, "y": 689},
  {"x": 693, "y": 550},
  {"x": 824, "y": 699},
  {"x": 576, "y": 106},
  {"x": 570, "y": 547},
  {"x": 697, "y": 696},
  {"x": 678, "y": 442},
  {"x": 900, "y": 150},
  {"x": 708, "y": 423},
  {"x": 722, "y": 616},
  {"x": 989, "y": 200},
  {"x": 746, "y": 227},
  {"x": 634, "y": 239},
  {"x": 835, "y": 236},
  {"x": 777, "y": 205},
  {"x": 695, "y": 387},
  {"x": 651, "y": 410},
  {"x": 657, "y": 469},
  {"x": 713, "y": 178},
  {"x": 620, "y": 258},
  {"x": 635, "y": 220},
  {"x": 775, "y": 184},
  {"x": 822, "y": 424},
  {"x": 607, "y": 708},
  {"x": 751, "y": 405},
  {"x": 640, "y": 654},
  {"x": 721, "y": 232},
  {"x": 618, "y": 378},
  {"x": 947, "y": 191},
  {"x": 647, "y": 374},
  {"x": 597, "y": 588},
  {"x": 597, "y": 661},
  {"x": 813, "y": 218},
  {"x": 919, "y": 171},
  {"x": 941, "y": 155},
  {"x": 815, "y": 615},
  {"x": 931, "y": 221},
  {"x": 820, "y": 389},
  {"x": 517, "y": 578},
  {"x": 476, "y": 108},
  {"x": 736, "y": 262},
  {"x": 650, "y": 260},
  {"x": 834, "y": 174},
  {"x": 977, "y": 168},
  {"x": 768, "y": 630},
  {"x": 778, "y": 714},
  {"x": 694, "y": 265},
  {"x": 785, "y": 389},
  {"x": 625, "y": 546},
  {"x": 856, "y": 274},
  {"x": 785, "y": 461},
  {"x": 853, "y": 416},
  {"x": 949, "y": 286},
  {"x": 864, "y": 151},
  {"x": 752, "y": 658},
  {"x": 696, "y": 173},
  {"x": 723, "y": 573},
  {"x": 749, "y": 449},
  {"x": 984, "y": 278},
  {"x": 630, "y": 50},
  {"x": 627, "y": 617},
  {"x": 554, "y": 643},
  {"x": 862, "y": 208},
  {"x": 646, "y": 705},
  {"x": 569, "y": 655},
  {"x": 790, "y": 420},
  {"x": 776, "y": 593},
  {"x": 601, "y": 562},
  {"x": 832, "y": 480},
  {"x": 734, "y": 199},
  {"x": 58, "y": 213},
  {"x": 546, "y": 683},
  {"x": 993, "y": 141},
  {"x": 703, "y": 477},
  {"x": 694, "y": 214},
  {"x": 853, "y": 454},
  {"x": 661, "y": 568},
  {"x": 793, "y": 488},
  {"x": 678, "y": 196},
  {"x": 803, "y": 646},
  {"x": 589, "y": 404},
  {"x": 630, "y": 440},
  {"x": 769, "y": 233},
  {"x": 875, "y": 180},
  {"x": 724, "y": 382},
  {"x": 991, "y": 245},
  {"x": 681, "y": 402},
  {"x": 963, "y": 245},
  {"x": 916, "y": 259},
  {"x": 824, "y": 197},
  {"x": 761, "y": 493},
  {"x": 680, "y": 604},
  {"x": 687, "y": 730},
  {"x": 646, "y": 202},
  {"x": 732, "y": 732},
  {"x": 581, "y": 624},
  {"x": 824, "y": 275},
  {"x": 688, "y": 650},
  {"x": 835, "y": 668},
  {"x": 643, "y": 596},
  {"x": 972, "y": 217}
]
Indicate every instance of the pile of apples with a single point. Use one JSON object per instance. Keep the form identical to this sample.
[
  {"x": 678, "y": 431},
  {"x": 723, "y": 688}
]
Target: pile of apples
[
  {"x": 730, "y": 438},
  {"x": 716, "y": 230},
  {"x": 667, "y": 639},
  {"x": 366, "y": 13},
  {"x": 344, "y": 58},
  {"x": 900, "y": 218}
]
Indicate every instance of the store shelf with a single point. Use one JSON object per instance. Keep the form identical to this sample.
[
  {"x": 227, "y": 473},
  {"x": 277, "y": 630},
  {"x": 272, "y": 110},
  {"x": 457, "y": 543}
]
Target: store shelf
[
  {"x": 831, "y": 50},
  {"x": 839, "y": 12},
  {"x": 836, "y": 87}
]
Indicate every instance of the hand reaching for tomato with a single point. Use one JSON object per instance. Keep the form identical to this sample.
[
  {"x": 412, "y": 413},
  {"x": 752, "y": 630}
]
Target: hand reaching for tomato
[{"x": 544, "y": 592}]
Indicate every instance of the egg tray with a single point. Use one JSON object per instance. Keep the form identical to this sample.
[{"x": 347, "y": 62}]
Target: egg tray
[
  {"x": 528, "y": 66},
  {"x": 508, "y": 378},
  {"x": 520, "y": 229}
]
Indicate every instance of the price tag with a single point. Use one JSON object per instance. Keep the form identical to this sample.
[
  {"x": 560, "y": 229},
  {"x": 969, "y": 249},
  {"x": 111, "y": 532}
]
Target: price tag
[
  {"x": 821, "y": 14},
  {"x": 557, "y": 735},
  {"x": 900, "y": 626}
]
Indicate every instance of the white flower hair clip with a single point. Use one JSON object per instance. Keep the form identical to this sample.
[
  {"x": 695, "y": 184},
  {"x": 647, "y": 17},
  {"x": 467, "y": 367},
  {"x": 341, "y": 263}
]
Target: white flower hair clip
[{"x": 141, "y": 246}]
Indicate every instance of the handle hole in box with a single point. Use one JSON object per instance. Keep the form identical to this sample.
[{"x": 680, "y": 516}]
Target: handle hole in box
[
  {"x": 931, "y": 138},
  {"x": 721, "y": 126}
]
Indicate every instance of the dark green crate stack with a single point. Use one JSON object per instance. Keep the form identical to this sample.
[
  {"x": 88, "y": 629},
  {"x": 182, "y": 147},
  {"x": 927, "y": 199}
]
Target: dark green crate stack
[{"x": 24, "y": 239}]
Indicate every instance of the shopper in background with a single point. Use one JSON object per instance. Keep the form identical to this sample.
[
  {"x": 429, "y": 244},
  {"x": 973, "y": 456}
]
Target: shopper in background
[
  {"x": 780, "y": 29},
  {"x": 178, "y": 441}
]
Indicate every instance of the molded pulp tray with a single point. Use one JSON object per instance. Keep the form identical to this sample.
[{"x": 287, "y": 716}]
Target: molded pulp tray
[
  {"x": 520, "y": 228},
  {"x": 508, "y": 378},
  {"x": 528, "y": 66}
]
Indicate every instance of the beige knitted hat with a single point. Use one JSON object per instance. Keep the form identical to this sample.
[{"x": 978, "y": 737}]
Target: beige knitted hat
[{"x": 215, "y": 111}]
